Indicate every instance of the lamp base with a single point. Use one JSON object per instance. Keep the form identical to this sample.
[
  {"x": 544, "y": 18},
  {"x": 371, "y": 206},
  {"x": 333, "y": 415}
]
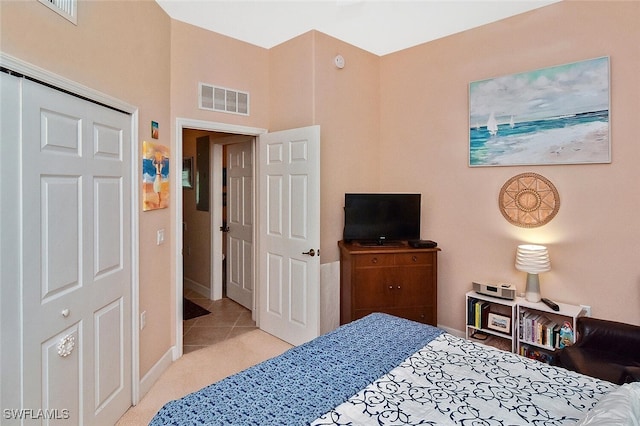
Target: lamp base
[{"x": 532, "y": 292}]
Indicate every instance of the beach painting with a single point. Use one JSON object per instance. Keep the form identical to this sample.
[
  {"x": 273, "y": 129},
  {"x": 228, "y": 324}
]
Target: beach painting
[
  {"x": 155, "y": 176},
  {"x": 555, "y": 115}
]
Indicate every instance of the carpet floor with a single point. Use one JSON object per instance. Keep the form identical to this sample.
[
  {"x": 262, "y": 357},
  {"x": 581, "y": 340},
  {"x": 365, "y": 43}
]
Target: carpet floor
[{"x": 200, "y": 368}]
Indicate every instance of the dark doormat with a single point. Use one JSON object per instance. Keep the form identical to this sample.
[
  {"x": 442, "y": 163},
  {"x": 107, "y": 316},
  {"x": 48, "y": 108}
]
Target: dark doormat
[{"x": 190, "y": 310}]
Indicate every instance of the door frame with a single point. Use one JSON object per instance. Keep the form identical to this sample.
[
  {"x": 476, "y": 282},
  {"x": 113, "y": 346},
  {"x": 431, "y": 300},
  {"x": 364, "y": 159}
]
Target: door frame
[
  {"x": 215, "y": 210},
  {"x": 56, "y": 81}
]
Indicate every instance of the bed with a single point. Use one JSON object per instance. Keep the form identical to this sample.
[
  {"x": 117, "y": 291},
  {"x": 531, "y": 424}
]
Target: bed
[{"x": 385, "y": 370}]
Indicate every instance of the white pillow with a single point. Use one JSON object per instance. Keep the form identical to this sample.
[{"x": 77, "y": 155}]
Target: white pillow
[{"x": 620, "y": 407}]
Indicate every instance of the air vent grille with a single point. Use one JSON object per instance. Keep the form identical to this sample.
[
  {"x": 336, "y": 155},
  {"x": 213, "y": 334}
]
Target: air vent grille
[
  {"x": 215, "y": 98},
  {"x": 65, "y": 8}
]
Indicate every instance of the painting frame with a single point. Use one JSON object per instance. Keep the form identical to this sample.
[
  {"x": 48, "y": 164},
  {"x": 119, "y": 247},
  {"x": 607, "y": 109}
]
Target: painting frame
[
  {"x": 499, "y": 323},
  {"x": 155, "y": 130},
  {"x": 556, "y": 115},
  {"x": 187, "y": 172},
  {"x": 156, "y": 184}
]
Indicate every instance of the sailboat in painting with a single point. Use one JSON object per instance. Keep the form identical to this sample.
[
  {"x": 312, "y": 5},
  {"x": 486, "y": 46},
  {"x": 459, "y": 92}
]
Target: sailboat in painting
[
  {"x": 492, "y": 125},
  {"x": 512, "y": 124}
]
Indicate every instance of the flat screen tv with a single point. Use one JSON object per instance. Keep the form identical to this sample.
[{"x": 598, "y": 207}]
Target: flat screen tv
[{"x": 381, "y": 218}]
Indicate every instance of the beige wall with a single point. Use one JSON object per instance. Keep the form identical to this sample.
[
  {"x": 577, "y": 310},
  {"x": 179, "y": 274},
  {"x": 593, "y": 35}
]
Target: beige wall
[
  {"x": 291, "y": 68},
  {"x": 196, "y": 259},
  {"x": 347, "y": 106},
  {"x": 119, "y": 48},
  {"x": 594, "y": 241},
  {"x": 308, "y": 89},
  {"x": 198, "y": 55}
]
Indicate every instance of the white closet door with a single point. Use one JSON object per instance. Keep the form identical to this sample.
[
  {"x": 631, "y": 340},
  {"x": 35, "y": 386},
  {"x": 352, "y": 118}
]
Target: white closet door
[{"x": 75, "y": 258}]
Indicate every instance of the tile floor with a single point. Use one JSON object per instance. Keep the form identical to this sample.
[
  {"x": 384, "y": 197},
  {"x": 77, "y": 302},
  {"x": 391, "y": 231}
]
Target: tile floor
[{"x": 227, "y": 319}]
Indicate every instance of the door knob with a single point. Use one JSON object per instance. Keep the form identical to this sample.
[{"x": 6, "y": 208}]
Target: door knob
[
  {"x": 224, "y": 228},
  {"x": 311, "y": 252},
  {"x": 65, "y": 312}
]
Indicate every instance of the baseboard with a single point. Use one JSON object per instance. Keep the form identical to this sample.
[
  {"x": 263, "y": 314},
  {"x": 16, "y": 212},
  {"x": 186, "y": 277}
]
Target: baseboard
[
  {"x": 155, "y": 372},
  {"x": 453, "y": 331},
  {"x": 197, "y": 287}
]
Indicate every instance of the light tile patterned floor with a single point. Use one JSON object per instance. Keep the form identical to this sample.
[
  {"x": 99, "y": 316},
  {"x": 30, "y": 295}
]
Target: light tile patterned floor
[{"x": 227, "y": 319}]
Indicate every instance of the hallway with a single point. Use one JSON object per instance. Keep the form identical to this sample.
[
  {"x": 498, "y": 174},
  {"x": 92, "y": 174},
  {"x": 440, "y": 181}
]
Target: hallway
[{"x": 226, "y": 320}]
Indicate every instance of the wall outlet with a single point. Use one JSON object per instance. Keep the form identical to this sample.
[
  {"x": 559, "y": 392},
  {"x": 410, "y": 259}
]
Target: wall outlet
[
  {"x": 143, "y": 319},
  {"x": 587, "y": 309}
]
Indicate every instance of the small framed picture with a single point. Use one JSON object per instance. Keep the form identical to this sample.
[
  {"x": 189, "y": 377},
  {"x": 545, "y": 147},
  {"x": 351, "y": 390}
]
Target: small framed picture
[
  {"x": 187, "y": 172},
  {"x": 155, "y": 131},
  {"x": 499, "y": 323}
]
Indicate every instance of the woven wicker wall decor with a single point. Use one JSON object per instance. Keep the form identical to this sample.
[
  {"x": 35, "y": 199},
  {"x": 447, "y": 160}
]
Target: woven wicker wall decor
[{"x": 529, "y": 200}]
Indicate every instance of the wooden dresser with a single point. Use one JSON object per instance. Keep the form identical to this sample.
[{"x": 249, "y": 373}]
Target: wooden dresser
[{"x": 400, "y": 281}]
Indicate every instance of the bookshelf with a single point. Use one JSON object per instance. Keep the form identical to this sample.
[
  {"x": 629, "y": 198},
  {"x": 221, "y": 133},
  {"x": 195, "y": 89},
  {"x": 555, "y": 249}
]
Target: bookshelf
[
  {"x": 539, "y": 328},
  {"x": 523, "y": 327},
  {"x": 477, "y": 328}
]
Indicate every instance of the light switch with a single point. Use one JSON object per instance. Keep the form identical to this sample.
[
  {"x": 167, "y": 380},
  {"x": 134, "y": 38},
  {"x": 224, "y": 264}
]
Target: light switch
[
  {"x": 160, "y": 237},
  {"x": 143, "y": 319}
]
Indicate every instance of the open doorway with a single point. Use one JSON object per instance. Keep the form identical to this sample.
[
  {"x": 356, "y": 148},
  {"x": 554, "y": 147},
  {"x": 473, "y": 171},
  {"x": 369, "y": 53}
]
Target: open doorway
[
  {"x": 218, "y": 199},
  {"x": 293, "y": 155},
  {"x": 217, "y": 207}
]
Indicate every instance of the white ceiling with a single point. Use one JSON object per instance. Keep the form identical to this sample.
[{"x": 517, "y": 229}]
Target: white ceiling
[{"x": 378, "y": 26}]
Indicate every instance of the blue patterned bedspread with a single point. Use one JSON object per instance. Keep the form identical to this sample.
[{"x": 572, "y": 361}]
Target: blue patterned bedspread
[{"x": 305, "y": 382}]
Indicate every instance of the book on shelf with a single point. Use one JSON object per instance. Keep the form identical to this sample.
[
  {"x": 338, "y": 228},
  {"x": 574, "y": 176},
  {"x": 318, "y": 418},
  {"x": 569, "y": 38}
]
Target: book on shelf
[
  {"x": 529, "y": 320},
  {"x": 538, "y": 329},
  {"x": 537, "y": 354},
  {"x": 478, "y": 313},
  {"x": 541, "y": 330},
  {"x": 471, "y": 311},
  {"x": 484, "y": 315},
  {"x": 551, "y": 332}
]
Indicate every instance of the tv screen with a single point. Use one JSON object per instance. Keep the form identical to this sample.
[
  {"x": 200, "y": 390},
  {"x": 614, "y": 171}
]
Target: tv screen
[{"x": 381, "y": 217}]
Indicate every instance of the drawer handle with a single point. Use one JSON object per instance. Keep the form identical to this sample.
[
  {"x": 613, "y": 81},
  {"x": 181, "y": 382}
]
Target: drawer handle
[
  {"x": 398, "y": 287},
  {"x": 374, "y": 260},
  {"x": 414, "y": 258}
]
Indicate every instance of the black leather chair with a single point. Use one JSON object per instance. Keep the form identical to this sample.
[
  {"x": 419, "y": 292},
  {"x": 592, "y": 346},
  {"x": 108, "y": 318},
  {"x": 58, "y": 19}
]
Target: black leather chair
[{"x": 605, "y": 349}]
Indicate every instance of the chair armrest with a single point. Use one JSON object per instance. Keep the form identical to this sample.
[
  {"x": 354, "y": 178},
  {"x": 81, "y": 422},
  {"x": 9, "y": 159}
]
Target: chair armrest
[
  {"x": 610, "y": 336},
  {"x": 632, "y": 374}
]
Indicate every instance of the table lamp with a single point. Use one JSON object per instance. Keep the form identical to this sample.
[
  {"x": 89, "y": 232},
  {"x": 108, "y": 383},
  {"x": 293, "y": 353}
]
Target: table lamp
[{"x": 532, "y": 259}]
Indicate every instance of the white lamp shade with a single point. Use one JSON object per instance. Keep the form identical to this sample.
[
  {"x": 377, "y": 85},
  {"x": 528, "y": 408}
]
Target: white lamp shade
[{"x": 532, "y": 259}]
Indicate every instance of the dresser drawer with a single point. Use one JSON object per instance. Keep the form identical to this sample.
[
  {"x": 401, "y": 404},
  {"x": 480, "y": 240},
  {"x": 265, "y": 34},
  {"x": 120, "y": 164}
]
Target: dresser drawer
[
  {"x": 372, "y": 260},
  {"x": 403, "y": 259}
]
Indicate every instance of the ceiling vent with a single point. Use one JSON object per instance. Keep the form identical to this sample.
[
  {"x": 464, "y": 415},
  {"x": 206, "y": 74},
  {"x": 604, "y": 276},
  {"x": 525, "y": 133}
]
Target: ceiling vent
[
  {"x": 214, "y": 98},
  {"x": 65, "y": 8}
]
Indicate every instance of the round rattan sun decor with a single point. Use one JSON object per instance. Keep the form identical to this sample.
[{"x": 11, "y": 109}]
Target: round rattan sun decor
[{"x": 529, "y": 200}]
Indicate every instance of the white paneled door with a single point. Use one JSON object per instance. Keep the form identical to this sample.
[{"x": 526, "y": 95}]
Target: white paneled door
[
  {"x": 289, "y": 174},
  {"x": 240, "y": 223},
  {"x": 75, "y": 177}
]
